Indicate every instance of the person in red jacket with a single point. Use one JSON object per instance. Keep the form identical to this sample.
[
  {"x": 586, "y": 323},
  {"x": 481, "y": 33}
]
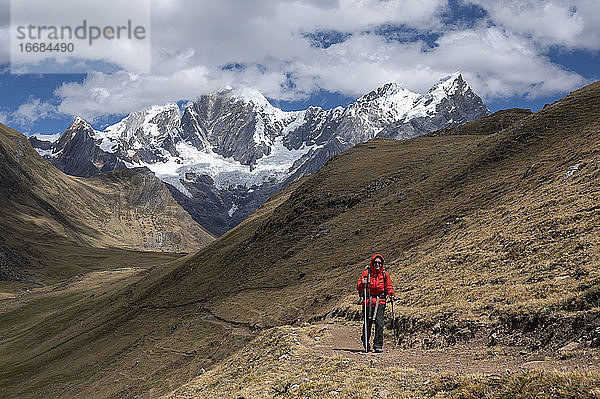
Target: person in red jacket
[{"x": 380, "y": 286}]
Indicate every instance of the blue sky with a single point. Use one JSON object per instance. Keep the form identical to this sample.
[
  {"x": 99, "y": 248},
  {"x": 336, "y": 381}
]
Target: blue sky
[{"x": 322, "y": 53}]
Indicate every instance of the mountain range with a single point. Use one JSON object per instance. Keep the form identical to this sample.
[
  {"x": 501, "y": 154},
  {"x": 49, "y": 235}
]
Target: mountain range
[{"x": 227, "y": 152}]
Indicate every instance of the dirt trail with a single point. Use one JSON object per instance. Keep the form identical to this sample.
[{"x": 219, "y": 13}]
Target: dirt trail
[
  {"x": 343, "y": 339},
  {"x": 236, "y": 328}
]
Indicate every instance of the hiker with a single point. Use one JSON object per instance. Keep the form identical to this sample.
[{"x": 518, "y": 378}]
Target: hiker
[{"x": 376, "y": 283}]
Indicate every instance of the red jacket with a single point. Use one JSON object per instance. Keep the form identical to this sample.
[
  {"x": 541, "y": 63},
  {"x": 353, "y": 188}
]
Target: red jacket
[{"x": 376, "y": 284}]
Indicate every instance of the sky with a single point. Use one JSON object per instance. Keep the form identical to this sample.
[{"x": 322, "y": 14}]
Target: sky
[{"x": 315, "y": 52}]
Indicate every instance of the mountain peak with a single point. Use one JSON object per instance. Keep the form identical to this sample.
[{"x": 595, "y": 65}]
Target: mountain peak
[
  {"x": 451, "y": 84},
  {"x": 388, "y": 89},
  {"x": 156, "y": 109},
  {"x": 251, "y": 95},
  {"x": 78, "y": 124},
  {"x": 457, "y": 75},
  {"x": 146, "y": 114},
  {"x": 79, "y": 121}
]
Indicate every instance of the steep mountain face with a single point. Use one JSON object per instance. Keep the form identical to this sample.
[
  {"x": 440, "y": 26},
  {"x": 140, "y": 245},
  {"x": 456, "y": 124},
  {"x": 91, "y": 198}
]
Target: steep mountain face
[
  {"x": 230, "y": 150},
  {"x": 49, "y": 216},
  {"x": 79, "y": 153},
  {"x": 146, "y": 136}
]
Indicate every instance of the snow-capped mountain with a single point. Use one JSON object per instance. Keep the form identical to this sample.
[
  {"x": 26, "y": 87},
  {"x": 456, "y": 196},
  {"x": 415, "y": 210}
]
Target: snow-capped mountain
[{"x": 227, "y": 152}]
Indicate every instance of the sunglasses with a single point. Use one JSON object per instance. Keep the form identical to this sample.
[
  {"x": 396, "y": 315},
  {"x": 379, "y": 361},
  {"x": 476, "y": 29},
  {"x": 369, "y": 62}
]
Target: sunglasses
[{"x": 377, "y": 263}]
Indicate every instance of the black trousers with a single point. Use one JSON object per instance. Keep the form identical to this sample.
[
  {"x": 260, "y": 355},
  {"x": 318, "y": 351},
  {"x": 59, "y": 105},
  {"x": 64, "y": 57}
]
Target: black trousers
[{"x": 378, "y": 339}]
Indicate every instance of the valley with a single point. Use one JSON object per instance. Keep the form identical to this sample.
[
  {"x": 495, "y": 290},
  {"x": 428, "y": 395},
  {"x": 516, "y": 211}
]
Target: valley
[{"x": 59, "y": 225}]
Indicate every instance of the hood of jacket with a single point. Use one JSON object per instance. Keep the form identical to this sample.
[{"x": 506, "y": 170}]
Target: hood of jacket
[{"x": 372, "y": 266}]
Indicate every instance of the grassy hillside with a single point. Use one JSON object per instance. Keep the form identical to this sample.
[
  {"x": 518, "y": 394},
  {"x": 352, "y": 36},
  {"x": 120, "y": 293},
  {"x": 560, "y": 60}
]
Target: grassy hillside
[
  {"x": 58, "y": 225},
  {"x": 487, "y": 125},
  {"x": 491, "y": 241},
  {"x": 484, "y": 229},
  {"x": 289, "y": 361}
]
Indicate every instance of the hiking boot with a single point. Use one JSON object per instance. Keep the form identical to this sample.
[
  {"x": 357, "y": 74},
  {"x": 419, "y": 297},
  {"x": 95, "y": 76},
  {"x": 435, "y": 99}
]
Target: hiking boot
[{"x": 378, "y": 350}]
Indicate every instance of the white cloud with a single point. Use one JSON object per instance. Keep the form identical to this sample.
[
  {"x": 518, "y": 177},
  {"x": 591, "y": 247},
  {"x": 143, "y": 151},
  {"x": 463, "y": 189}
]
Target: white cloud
[
  {"x": 192, "y": 41},
  {"x": 31, "y": 111},
  {"x": 500, "y": 64},
  {"x": 103, "y": 94},
  {"x": 213, "y": 33},
  {"x": 573, "y": 24},
  {"x": 4, "y": 118},
  {"x": 495, "y": 62},
  {"x": 89, "y": 46}
]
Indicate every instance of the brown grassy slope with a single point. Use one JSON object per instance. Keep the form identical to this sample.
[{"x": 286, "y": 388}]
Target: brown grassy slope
[
  {"x": 51, "y": 220},
  {"x": 288, "y": 361},
  {"x": 487, "y": 125},
  {"x": 86, "y": 338},
  {"x": 470, "y": 229}
]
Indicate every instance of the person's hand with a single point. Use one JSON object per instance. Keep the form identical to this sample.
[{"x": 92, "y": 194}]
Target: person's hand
[
  {"x": 364, "y": 280},
  {"x": 392, "y": 298}
]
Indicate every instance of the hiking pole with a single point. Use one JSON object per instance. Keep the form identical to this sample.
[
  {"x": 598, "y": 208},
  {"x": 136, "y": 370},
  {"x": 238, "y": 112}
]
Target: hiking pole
[
  {"x": 365, "y": 313},
  {"x": 367, "y": 305},
  {"x": 394, "y": 325},
  {"x": 375, "y": 312}
]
